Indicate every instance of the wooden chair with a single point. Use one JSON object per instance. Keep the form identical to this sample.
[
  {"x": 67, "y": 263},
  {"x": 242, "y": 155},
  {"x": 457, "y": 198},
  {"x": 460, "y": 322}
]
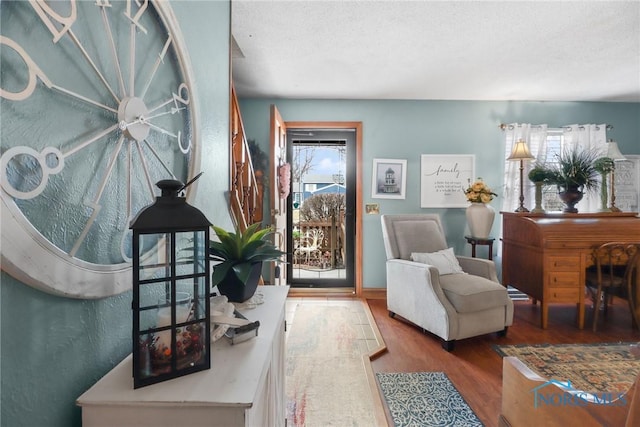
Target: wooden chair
[
  {"x": 611, "y": 275},
  {"x": 633, "y": 288}
]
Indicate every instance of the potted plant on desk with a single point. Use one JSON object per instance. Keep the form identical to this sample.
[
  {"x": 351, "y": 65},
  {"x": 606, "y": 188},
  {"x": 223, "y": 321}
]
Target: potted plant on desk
[
  {"x": 604, "y": 166},
  {"x": 574, "y": 172},
  {"x": 240, "y": 255},
  {"x": 539, "y": 175}
]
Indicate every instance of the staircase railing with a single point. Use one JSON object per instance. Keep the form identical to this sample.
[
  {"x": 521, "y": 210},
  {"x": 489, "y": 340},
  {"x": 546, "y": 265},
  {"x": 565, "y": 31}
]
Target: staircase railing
[{"x": 246, "y": 191}]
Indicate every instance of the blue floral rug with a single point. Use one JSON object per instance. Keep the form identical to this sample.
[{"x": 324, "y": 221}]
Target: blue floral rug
[{"x": 425, "y": 399}]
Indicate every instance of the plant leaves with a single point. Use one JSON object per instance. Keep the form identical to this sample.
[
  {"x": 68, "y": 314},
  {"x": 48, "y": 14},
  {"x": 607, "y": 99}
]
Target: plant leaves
[
  {"x": 220, "y": 271},
  {"x": 243, "y": 271},
  {"x": 239, "y": 250}
]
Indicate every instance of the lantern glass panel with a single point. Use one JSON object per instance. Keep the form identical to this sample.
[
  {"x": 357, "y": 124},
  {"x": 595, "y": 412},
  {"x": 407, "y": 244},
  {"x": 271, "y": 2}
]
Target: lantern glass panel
[
  {"x": 148, "y": 318},
  {"x": 145, "y": 351},
  {"x": 202, "y": 297},
  {"x": 190, "y": 345},
  {"x": 150, "y": 294},
  {"x": 196, "y": 288},
  {"x": 190, "y": 246},
  {"x": 155, "y": 255}
]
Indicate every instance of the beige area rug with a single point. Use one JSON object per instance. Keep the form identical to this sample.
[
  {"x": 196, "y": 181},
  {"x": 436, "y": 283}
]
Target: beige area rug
[{"x": 328, "y": 376}]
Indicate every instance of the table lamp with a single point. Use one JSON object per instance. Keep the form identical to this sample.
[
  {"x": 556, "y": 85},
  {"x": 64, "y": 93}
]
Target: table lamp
[
  {"x": 521, "y": 152},
  {"x": 613, "y": 152}
]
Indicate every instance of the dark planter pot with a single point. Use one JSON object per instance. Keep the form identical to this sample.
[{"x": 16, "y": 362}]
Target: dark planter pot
[
  {"x": 233, "y": 288},
  {"x": 570, "y": 197}
]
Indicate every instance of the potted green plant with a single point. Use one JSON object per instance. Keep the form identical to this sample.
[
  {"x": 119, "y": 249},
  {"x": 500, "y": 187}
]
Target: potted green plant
[
  {"x": 604, "y": 166},
  {"x": 539, "y": 175},
  {"x": 574, "y": 172},
  {"x": 240, "y": 255}
]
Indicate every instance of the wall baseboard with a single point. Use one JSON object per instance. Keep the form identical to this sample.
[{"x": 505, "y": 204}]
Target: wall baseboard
[{"x": 374, "y": 293}]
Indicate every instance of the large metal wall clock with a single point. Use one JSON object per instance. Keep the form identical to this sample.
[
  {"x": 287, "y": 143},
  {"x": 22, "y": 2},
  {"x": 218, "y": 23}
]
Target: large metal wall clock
[{"x": 96, "y": 106}]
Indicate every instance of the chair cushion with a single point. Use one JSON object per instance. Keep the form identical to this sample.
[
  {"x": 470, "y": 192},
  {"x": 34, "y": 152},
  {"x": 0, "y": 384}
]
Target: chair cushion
[
  {"x": 445, "y": 260},
  {"x": 608, "y": 281},
  {"x": 418, "y": 236},
  {"x": 469, "y": 293}
]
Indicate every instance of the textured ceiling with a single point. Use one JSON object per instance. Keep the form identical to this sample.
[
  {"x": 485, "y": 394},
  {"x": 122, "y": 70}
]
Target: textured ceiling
[{"x": 455, "y": 50}]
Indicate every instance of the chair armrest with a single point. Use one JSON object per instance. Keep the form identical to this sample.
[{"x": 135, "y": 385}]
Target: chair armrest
[
  {"x": 414, "y": 272},
  {"x": 479, "y": 267},
  {"x": 414, "y": 292}
]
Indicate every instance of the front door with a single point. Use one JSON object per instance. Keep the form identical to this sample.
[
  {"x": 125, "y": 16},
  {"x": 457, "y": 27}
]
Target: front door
[
  {"x": 282, "y": 202},
  {"x": 320, "y": 210}
]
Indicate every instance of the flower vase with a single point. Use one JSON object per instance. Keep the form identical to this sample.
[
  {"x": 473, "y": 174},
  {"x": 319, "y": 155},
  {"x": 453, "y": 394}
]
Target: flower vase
[
  {"x": 570, "y": 196},
  {"x": 480, "y": 218},
  {"x": 538, "y": 208}
]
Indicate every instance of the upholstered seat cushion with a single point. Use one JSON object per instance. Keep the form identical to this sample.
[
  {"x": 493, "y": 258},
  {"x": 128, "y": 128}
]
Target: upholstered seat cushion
[
  {"x": 469, "y": 293},
  {"x": 608, "y": 280}
]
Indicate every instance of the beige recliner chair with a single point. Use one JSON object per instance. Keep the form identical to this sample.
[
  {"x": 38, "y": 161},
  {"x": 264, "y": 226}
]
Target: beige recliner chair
[{"x": 453, "y": 297}]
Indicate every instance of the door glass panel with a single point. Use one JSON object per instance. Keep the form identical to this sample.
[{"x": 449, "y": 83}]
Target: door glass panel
[{"x": 320, "y": 247}]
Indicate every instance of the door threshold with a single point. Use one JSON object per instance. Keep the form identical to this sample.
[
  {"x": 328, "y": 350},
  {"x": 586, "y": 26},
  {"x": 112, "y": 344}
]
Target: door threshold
[{"x": 323, "y": 292}]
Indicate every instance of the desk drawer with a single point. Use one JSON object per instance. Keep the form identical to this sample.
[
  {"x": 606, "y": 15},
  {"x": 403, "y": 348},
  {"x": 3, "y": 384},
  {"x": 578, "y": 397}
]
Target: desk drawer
[
  {"x": 564, "y": 295},
  {"x": 563, "y": 263},
  {"x": 564, "y": 279}
]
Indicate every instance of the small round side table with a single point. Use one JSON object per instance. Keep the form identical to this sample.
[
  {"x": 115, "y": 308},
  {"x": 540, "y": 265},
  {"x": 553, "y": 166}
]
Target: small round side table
[{"x": 487, "y": 241}]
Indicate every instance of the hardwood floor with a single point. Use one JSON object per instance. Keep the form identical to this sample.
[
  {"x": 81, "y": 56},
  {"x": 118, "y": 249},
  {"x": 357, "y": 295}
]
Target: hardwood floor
[{"x": 474, "y": 367}]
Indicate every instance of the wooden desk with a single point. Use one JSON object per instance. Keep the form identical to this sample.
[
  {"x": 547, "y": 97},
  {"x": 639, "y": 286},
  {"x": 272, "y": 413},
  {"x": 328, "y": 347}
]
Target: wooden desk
[
  {"x": 244, "y": 387},
  {"x": 545, "y": 255}
]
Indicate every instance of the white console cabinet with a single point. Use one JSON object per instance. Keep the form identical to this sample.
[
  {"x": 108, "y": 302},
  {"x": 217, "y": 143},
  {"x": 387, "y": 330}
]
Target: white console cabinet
[{"x": 244, "y": 387}]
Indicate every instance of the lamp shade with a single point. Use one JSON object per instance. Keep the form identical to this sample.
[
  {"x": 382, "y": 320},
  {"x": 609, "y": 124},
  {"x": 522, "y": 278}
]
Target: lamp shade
[
  {"x": 520, "y": 151},
  {"x": 613, "y": 152}
]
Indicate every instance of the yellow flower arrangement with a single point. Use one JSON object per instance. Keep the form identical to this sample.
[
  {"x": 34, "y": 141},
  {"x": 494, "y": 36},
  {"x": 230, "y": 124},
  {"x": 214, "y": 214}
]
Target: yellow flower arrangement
[{"x": 479, "y": 192}]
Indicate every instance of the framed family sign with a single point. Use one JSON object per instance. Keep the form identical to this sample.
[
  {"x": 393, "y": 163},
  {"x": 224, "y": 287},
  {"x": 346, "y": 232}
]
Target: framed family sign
[
  {"x": 443, "y": 179},
  {"x": 389, "y": 179}
]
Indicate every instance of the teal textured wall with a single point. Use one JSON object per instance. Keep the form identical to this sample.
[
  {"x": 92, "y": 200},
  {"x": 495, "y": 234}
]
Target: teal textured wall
[
  {"x": 52, "y": 348},
  {"x": 407, "y": 129}
]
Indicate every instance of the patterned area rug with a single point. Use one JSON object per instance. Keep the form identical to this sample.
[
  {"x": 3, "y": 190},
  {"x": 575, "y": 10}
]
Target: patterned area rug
[
  {"x": 516, "y": 295},
  {"x": 326, "y": 380},
  {"x": 603, "y": 367},
  {"x": 425, "y": 399}
]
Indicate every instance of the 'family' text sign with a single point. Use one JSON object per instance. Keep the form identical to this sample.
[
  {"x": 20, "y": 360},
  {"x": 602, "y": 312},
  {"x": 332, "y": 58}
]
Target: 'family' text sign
[{"x": 443, "y": 179}]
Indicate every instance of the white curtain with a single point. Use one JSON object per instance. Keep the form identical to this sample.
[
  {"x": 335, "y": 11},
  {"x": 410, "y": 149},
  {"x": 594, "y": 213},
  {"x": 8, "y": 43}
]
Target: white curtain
[
  {"x": 588, "y": 137},
  {"x": 536, "y": 138}
]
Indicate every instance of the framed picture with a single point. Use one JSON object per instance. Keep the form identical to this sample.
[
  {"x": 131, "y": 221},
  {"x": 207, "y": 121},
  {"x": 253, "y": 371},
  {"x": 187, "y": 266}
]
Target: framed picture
[
  {"x": 372, "y": 208},
  {"x": 389, "y": 179},
  {"x": 443, "y": 179},
  {"x": 627, "y": 183}
]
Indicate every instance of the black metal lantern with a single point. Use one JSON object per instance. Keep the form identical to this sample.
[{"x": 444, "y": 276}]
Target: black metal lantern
[{"x": 171, "y": 280}]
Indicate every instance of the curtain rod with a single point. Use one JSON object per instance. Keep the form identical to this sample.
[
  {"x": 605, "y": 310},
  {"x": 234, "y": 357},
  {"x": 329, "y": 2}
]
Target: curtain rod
[{"x": 505, "y": 126}]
